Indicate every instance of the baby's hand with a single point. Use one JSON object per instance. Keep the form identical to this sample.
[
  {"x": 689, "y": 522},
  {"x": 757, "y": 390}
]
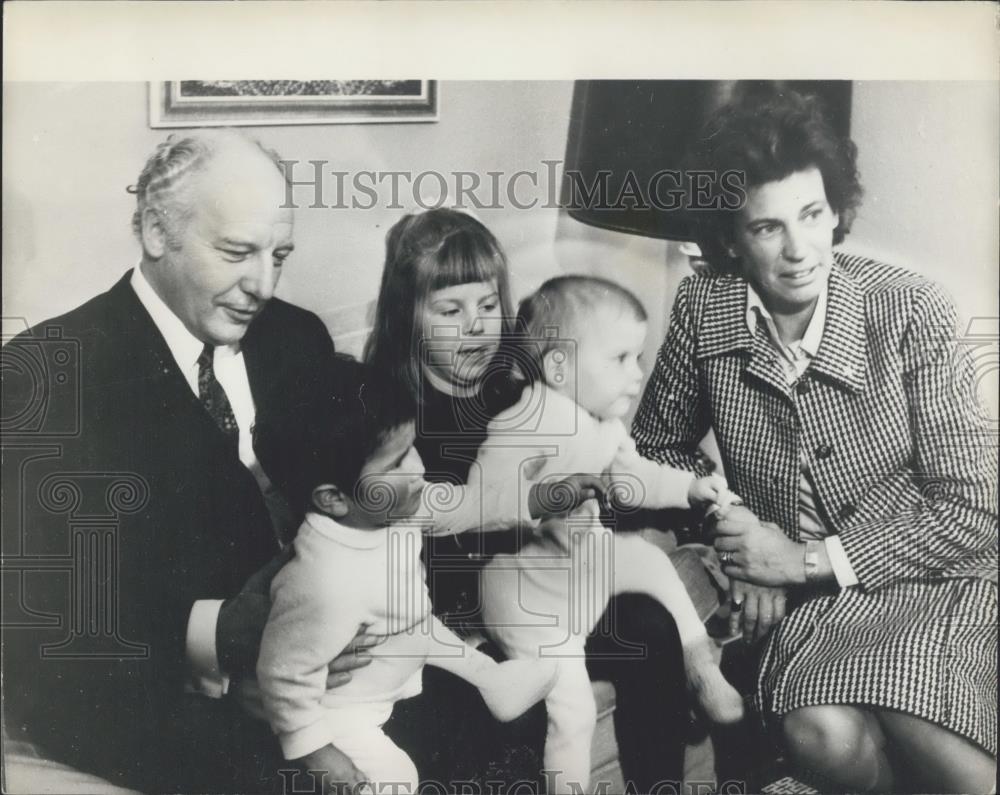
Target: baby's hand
[
  {"x": 730, "y": 508},
  {"x": 711, "y": 489}
]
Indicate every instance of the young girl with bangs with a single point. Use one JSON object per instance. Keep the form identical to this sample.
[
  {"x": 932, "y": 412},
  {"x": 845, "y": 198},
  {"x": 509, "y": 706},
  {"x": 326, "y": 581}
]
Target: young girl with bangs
[{"x": 443, "y": 313}]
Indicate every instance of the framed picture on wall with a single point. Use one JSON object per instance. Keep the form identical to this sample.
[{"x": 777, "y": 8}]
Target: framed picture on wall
[{"x": 206, "y": 103}]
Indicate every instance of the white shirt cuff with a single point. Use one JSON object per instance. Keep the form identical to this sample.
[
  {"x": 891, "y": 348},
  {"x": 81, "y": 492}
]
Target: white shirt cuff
[
  {"x": 841, "y": 566},
  {"x": 206, "y": 675}
]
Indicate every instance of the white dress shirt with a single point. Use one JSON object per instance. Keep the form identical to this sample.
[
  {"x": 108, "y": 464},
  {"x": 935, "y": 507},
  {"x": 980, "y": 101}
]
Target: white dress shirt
[
  {"x": 231, "y": 372},
  {"x": 794, "y": 359}
]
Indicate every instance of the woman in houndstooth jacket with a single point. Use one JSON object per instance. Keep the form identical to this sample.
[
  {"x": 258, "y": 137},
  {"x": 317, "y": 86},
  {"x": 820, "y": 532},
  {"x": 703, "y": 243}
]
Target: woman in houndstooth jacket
[{"x": 847, "y": 419}]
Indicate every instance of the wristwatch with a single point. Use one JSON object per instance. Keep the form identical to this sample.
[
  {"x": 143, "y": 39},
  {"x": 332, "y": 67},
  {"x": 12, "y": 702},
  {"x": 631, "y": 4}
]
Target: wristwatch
[{"x": 811, "y": 561}]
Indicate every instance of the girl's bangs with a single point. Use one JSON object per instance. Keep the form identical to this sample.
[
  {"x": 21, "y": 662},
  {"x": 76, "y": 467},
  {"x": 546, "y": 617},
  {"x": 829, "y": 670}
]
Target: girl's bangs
[{"x": 463, "y": 259}]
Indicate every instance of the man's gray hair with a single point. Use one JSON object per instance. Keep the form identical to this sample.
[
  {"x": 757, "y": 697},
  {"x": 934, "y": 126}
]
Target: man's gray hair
[{"x": 178, "y": 158}]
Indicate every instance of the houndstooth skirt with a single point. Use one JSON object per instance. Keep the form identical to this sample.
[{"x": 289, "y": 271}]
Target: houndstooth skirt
[{"x": 927, "y": 648}]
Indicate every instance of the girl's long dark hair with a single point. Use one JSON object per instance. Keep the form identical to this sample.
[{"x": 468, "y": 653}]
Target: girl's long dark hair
[{"x": 426, "y": 252}]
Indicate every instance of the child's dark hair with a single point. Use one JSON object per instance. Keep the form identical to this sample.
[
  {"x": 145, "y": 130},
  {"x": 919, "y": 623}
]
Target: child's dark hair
[
  {"x": 558, "y": 311},
  {"x": 342, "y": 416}
]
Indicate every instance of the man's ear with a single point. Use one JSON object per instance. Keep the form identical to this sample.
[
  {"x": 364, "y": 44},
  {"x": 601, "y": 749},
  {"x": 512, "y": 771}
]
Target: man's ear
[
  {"x": 555, "y": 367},
  {"x": 154, "y": 233},
  {"x": 330, "y": 500}
]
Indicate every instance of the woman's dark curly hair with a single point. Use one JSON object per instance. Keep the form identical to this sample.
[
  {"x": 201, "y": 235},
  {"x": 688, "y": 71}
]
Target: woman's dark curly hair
[{"x": 764, "y": 138}]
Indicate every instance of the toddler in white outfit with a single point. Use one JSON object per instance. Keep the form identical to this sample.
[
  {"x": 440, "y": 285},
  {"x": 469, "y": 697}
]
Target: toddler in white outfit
[
  {"x": 351, "y": 460},
  {"x": 579, "y": 343}
]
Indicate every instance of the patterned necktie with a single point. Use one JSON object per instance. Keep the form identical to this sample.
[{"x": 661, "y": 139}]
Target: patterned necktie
[{"x": 213, "y": 398}]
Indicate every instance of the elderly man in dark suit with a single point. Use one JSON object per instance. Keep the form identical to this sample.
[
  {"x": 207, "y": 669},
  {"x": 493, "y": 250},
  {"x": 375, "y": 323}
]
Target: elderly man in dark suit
[
  {"x": 140, "y": 532},
  {"x": 168, "y": 591}
]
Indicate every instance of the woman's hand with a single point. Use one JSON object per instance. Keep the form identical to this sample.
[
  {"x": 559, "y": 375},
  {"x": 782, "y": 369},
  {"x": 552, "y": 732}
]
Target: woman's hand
[
  {"x": 754, "y": 609},
  {"x": 756, "y": 552}
]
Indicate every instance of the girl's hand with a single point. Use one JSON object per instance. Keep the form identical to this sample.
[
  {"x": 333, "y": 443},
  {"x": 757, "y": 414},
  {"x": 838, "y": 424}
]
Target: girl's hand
[{"x": 559, "y": 497}]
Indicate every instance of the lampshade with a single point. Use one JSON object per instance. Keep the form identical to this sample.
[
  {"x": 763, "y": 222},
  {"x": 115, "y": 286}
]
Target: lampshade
[{"x": 643, "y": 127}]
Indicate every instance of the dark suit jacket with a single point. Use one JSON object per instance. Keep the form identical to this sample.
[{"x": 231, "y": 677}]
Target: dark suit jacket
[{"x": 153, "y": 512}]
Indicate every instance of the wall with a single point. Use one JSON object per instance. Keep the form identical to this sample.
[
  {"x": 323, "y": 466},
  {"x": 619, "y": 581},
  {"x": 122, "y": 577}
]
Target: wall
[
  {"x": 69, "y": 151},
  {"x": 928, "y": 161},
  {"x": 927, "y": 155}
]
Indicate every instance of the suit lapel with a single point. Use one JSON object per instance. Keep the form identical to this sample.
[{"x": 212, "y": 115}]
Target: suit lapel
[
  {"x": 255, "y": 358},
  {"x": 171, "y": 432},
  {"x": 148, "y": 360},
  {"x": 146, "y": 352},
  {"x": 724, "y": 330},
  {"x": 764, "y": 364},
  {"x": 842, "y": 356}
]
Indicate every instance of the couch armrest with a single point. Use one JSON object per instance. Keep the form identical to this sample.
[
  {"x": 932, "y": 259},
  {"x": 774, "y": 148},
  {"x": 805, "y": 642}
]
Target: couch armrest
[{"x": 26, "y": 770}]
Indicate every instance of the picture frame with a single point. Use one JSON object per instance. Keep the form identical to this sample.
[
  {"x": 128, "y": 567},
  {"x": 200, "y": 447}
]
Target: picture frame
[{"x": 246, "y": 103}]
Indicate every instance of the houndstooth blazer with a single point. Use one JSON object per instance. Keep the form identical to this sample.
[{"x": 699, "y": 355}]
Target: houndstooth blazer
[{"x": 902, "y": 456}]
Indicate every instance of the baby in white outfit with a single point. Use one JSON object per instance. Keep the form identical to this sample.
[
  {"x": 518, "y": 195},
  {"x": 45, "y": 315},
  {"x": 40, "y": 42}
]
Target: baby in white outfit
[{"x": 579, "y": 349}]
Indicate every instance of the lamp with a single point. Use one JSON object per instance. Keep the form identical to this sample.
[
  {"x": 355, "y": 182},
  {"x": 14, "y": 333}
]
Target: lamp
[{"x": 624, "y": 132}]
